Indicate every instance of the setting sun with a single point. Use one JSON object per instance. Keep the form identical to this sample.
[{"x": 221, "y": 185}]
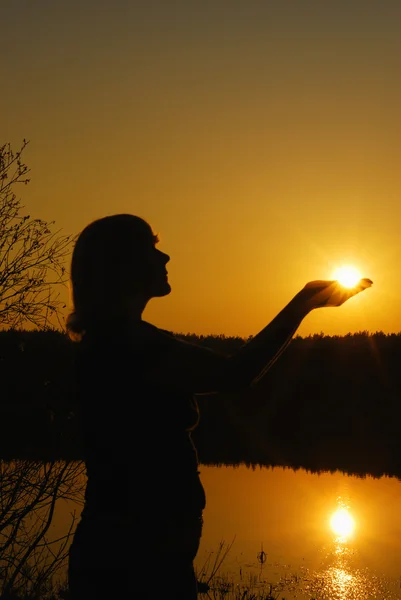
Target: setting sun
[
  {"x": 348, "y": 276},
  {"x": 342, "y": 522}
]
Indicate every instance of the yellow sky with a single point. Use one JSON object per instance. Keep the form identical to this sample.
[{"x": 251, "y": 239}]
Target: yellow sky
[{"x": 260, "y": 139}]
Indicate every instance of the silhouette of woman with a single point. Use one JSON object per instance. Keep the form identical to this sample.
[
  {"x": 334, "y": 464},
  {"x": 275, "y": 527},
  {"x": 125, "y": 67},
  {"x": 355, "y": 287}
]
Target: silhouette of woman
[{"x": 141, "y": 524}]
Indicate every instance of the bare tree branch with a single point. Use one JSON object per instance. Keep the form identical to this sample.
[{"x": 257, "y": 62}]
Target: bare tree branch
[
  {"x": 32, "y": 255},
  {"x": 29, "y": 491}
]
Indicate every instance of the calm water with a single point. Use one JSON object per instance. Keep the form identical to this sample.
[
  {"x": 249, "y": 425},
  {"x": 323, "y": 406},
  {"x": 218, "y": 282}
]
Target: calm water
[{"x": 286, "y": 515}]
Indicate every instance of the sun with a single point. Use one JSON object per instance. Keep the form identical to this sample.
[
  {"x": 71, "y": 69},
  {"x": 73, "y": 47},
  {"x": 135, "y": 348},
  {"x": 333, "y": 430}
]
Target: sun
[
  {"x": 347, "y": 276},
  {"x": 342, "y": 523}
]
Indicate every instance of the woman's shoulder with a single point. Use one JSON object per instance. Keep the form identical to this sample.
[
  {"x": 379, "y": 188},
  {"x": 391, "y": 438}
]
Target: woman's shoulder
[
  {"x": 153, "y": 332},
  {"x": 125, "y": 337}
]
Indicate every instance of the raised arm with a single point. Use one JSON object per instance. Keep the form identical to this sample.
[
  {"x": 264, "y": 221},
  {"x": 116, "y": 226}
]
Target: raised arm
[
  {"x": 256, "y": 357},
  {"x": 201, "y": 370}
]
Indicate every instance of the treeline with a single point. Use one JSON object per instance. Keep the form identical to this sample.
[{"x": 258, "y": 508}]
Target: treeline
[{"x": 330, "y": 402}]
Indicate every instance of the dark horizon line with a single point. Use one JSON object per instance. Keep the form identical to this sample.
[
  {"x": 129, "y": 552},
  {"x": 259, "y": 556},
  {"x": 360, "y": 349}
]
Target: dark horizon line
[{"x": 320, "y": 335}]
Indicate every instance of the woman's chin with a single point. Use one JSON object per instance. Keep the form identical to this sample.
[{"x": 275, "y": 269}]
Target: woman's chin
[{"x": 162, "y": 290}]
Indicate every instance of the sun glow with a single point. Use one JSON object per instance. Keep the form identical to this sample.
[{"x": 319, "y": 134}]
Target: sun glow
[
  {"x": 342, "y": 523},
  {"x": 348, "y": 276}
]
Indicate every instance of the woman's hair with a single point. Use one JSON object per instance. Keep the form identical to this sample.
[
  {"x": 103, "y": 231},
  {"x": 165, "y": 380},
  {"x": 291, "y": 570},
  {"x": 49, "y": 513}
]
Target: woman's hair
[{"x": 107, "y": 255}]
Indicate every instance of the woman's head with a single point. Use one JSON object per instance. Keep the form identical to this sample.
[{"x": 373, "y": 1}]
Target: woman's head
[{"x": 115, "y": 267}]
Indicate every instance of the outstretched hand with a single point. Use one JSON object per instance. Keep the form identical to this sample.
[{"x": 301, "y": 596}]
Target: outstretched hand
[{"x": 322, "y": 293}]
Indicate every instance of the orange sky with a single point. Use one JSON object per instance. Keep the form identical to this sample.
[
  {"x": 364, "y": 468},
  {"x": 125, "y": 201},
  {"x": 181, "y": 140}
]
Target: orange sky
[{"x": 261, "y": 139}]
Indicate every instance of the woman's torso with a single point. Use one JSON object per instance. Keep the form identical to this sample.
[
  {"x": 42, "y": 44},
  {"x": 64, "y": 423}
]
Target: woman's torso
[{"x": 139, "y": 454}]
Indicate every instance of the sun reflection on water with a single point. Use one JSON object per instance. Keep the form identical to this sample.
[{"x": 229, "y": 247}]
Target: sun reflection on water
[
  {"x": 338, "y": 584},
  {"x": 340, "y": 576},
  {"x": 342, "y": 523},
  {"x": 338, "y": 570}
]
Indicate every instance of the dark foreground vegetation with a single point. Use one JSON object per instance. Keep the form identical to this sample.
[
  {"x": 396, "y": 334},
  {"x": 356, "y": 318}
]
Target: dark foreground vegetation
[{"x": 329, "y": 403}]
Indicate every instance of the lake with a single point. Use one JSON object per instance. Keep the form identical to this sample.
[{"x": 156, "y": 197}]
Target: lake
[{"x": 286, "y": 515}]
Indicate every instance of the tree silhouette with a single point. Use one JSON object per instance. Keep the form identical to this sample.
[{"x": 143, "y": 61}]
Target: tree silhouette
[
  {"x": 29, "y": 559},
  {"x": 31, "y": 254}
]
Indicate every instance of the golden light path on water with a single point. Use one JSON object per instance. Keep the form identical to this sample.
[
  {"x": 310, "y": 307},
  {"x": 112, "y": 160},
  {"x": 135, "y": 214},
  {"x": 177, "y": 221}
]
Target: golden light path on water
[
  {"x": 340, "y": 573},
  {"x": 341, "y": 577},
  {"x": 343, "y": 580}
]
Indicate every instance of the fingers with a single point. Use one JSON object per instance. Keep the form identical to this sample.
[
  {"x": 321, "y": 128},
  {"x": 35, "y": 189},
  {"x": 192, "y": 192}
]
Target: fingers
[
  {"x": 320, "y": 284},
  {"x": 365, "y": 282},
  {"x": 362, "y": 284},
  {"x": 322, "y": 292},
  {"x": 335, "y": 294}
]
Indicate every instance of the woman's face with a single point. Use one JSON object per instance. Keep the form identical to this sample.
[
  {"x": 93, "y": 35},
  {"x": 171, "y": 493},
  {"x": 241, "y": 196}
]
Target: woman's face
[
  {"x": 150, "y": 270},
  {"x": 159, "y": 285}
]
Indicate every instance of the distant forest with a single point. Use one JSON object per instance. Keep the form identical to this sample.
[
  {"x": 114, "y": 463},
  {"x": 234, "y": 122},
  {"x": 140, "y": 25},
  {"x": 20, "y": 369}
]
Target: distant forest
[{"x": 329, "y": 403}]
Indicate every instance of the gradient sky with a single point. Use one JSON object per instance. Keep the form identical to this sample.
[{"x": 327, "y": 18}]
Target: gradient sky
[{"x": 261, "y": 139}]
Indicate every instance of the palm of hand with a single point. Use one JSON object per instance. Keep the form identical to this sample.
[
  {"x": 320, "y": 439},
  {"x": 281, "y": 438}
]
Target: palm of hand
[{"x": 331, "y": 293}]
